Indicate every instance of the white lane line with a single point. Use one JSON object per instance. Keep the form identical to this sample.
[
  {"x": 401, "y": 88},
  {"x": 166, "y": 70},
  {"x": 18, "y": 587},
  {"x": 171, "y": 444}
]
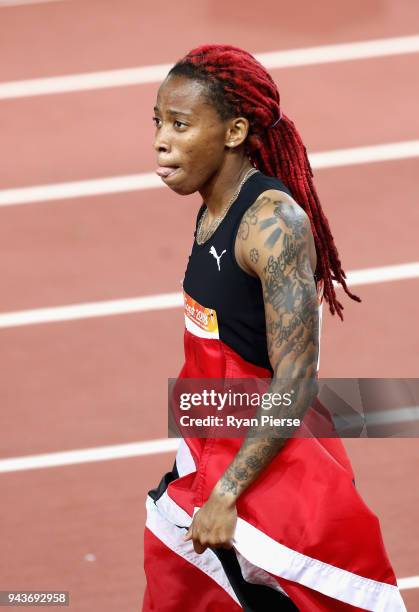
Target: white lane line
[
  {"x": 149, "y": 180},
  {"x": 411, "y": 582},
  {"x": 141, "y": 75},
  {"x": 369, "y": 276},
  {"x": 395, "y": 416},
  {"x": 88, "y": 455},
  {"x": 7, "y": 3},
  {"x": 91, "y": 309},
  {"x": 78, "y": 189},
  {"x": 363, "y": 155},
  {"x": 175, "y": 300}
]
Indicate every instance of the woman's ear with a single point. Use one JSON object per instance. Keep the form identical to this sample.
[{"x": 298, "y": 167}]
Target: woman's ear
[{"x": 237, "y": 131}]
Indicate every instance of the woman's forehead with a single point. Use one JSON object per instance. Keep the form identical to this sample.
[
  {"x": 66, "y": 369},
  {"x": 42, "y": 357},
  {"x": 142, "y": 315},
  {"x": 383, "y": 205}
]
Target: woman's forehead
[{"x": 180, "y": 93}]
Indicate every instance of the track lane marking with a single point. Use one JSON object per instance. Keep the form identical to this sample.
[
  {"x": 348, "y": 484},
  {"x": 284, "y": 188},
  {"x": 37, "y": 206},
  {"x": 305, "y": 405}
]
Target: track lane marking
[
  {"x": 149, "y": 180},
  {"x": 91, "y": 309},
  {"x": 411, "y": 582},
  {"x": 88, "y": 455},
  {"x": 163, "y": 301},
  {"x": 140, "y": 75},
  {"x": 8, "y": 3}
]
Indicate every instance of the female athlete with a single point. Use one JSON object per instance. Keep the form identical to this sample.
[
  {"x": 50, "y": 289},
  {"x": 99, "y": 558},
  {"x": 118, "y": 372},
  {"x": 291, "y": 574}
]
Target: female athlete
[{"x": 254, "y": 523}]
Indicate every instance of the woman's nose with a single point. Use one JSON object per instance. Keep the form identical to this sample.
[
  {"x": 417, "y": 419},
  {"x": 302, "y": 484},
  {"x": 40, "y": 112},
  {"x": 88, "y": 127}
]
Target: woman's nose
[{"x": 161, "y": 141}]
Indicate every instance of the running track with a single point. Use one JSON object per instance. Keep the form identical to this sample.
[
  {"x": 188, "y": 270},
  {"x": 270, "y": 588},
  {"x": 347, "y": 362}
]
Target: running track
[{"x": 74, "y": 522}]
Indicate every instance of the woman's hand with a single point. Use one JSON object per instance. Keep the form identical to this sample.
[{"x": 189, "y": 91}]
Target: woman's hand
[{"x": 214, "y": 524}]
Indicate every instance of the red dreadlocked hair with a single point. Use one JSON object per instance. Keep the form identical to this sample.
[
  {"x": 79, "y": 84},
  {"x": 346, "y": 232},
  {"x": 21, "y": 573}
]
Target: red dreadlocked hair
[{"x": 238, "y": 85}]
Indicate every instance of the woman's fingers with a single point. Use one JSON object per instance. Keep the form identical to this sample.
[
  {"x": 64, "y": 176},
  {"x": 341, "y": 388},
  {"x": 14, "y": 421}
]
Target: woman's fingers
[
  {"x": 199, "y": 548},
  {"x": 188, "y": 535},
  {"x": 201, "y": 541}
]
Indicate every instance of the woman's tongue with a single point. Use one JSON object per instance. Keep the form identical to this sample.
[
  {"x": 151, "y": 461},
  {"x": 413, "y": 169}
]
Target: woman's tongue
[{"x": 164, "y": 171}]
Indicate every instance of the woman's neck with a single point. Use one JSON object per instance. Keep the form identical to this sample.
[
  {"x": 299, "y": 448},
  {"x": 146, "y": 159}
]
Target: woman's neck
[{"x": 218, "y": 192}]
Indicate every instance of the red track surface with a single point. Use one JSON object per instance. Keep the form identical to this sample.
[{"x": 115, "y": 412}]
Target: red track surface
[{"x": 93, "y": 382}]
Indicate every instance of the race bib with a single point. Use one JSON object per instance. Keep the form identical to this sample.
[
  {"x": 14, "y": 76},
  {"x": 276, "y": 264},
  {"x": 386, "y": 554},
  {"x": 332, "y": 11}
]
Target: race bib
[{"x": 199, "y": 320}]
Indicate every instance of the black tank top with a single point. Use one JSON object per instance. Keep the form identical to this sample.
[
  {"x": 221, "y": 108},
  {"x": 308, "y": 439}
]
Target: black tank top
[{"x": 214, "y": 279}]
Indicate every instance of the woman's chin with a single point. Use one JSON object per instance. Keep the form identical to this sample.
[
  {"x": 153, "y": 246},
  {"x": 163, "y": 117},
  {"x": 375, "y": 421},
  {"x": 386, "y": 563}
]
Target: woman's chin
[{"x": 182, "y": 190}]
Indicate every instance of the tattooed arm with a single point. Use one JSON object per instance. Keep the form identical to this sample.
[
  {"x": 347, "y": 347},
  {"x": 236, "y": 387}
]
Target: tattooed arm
[{"x": 274, "y": 243}]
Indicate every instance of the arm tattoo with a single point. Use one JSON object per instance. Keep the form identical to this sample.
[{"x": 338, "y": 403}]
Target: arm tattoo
[
  {"x": 254, "y": 255},
  {"x": 291, "y": 311},
  {"x": 251, "y": 217}
]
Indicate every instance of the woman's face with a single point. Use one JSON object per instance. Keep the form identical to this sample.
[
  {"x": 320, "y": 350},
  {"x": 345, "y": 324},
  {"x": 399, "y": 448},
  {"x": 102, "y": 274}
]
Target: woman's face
[{"x": 190, "y": 139}]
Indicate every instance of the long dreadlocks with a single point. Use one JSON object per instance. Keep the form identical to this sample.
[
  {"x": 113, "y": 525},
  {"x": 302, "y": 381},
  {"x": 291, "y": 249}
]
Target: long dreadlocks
[{"x": 238, "y": 85}]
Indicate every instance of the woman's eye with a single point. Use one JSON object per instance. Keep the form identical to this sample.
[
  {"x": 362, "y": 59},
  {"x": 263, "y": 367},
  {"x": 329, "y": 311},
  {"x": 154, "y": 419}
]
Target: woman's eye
[{"x": 177, "y": 124}]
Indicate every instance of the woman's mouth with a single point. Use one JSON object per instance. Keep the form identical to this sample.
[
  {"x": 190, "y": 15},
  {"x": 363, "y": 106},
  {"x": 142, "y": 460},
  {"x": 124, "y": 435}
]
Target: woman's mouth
[{"x": 166, "y": 171}]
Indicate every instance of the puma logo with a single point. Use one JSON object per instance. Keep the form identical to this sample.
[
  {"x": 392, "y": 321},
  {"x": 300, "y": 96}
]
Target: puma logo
[{"x": 217, "y": 257}]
